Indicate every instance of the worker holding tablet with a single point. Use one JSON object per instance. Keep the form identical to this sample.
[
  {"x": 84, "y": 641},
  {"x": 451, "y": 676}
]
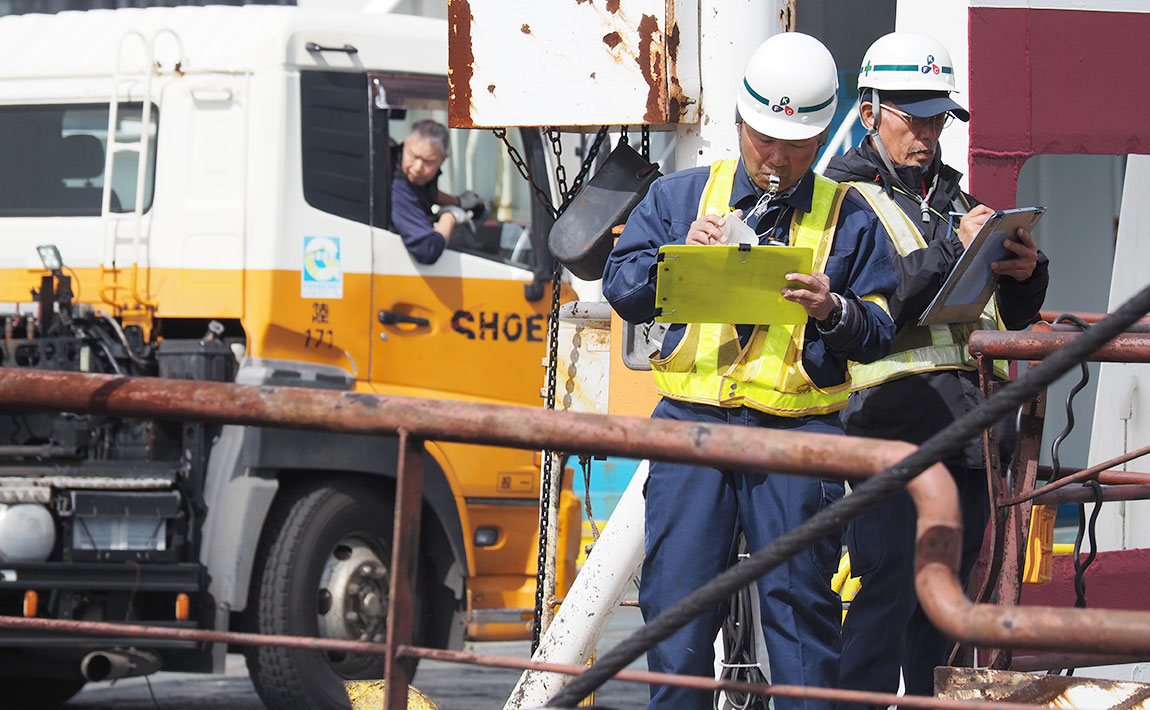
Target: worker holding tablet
[{"x": 930, "y": 379}]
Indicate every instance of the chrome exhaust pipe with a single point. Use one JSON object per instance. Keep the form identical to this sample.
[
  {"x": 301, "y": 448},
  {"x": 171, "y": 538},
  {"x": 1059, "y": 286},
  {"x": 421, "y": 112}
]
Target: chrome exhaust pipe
[{"x": 118, "y": 663}]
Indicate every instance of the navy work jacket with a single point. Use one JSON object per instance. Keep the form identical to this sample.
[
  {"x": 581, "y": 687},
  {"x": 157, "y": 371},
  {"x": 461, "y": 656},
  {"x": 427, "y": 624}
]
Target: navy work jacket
[
  {"x": 411, "y": 216},
  {"x": 858, "y": 265}
]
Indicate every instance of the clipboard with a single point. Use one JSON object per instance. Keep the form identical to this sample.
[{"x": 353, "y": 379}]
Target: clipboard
[
  {"x": 735, "y": 283},
  {"x": 970, "y": 283}
]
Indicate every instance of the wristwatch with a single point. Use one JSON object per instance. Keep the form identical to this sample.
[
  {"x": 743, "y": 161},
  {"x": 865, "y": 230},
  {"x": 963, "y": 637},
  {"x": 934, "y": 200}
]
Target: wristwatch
[{"x": 833, "y": 319}]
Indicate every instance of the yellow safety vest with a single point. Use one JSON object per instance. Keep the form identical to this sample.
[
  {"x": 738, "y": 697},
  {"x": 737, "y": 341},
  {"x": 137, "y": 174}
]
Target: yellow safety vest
[
  {"x": 919, "y": 348},
  {"x": 709, "y": 366}
]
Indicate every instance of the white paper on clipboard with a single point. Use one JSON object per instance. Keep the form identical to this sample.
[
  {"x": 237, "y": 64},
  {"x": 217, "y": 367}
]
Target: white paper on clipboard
[{"x": 971, "y": 282}]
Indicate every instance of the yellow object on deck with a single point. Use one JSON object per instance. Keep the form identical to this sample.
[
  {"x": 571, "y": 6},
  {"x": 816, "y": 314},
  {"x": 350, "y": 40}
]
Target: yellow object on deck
[
  {"x": 843, "y": 584},
  {"x": 368, "y": 695},
  {"x": 1040, "y": 545}
]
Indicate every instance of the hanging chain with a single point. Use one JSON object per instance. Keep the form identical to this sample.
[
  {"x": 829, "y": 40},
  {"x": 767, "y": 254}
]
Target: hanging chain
[
  {"x": 548, "y": 458},
  {"x": 623, "y": 134},
  {"x": 567, "y": 195},
  {"x": 553, "y": 135},
  {"x": 646, "y": 144},
  {"x": 541, "y": 195},
  {"x": 588, "y": 161}
]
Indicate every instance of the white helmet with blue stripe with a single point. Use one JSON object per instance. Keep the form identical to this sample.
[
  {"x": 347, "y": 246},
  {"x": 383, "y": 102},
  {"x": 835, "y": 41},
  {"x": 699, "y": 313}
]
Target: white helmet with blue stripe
[
  {"x": 907, "y": 61},
  {"x": 789, "y": 88}
]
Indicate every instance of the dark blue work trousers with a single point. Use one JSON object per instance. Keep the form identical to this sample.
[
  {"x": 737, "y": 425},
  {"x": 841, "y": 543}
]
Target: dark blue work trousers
[
  {"x": 885, "y": 627},
  {"x": 694, "y": 515}
]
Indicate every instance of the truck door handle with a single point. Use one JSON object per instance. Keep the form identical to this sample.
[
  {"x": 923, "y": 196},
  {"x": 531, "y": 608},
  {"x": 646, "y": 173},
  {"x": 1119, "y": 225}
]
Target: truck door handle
[{"x": 392, "y": 318}]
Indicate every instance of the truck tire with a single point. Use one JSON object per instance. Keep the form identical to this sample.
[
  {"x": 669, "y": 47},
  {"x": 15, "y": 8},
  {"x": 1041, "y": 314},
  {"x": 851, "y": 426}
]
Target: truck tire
[
  {"x": 37, "y": 693},
  {"x": 322, "y": 569}
]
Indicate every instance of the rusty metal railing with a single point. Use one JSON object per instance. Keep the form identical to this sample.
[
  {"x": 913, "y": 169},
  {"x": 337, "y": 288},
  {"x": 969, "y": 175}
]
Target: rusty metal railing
[
  {"x": 416, "y": 420},
  {"x": 1014, "y": 497}
]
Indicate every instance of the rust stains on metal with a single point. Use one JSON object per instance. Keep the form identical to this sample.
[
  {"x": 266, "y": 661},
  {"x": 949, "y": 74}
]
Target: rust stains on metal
[
  {"x": 525, "y": 28},
  {"x": 461, "y": 64},
  {"x": 673, "y": 43},
  {"x": 491, "y": 89},
  {"x": 651, "y": 65},
  {"x": 612, "y": 6},
  {"x": 612, "y": 39},
  {"x": 677, "y": 101},
  {"x": 787, "y": 16}
]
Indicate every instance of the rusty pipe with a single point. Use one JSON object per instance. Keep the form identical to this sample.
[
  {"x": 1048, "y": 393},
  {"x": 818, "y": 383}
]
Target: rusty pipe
[
  {"x": 1081, "y": 494},
  {"x": 1050, "y": 661},
  {"x": 1051, "y": 316},
  {"x": 1077, "y": 477},
  {"x": 1037, "y": 628},
  {"x": 105, "y": 628},
  {"x": 859, "y": 697},
  {"x": 763, "y": 450},
  {"x": 1034, "y": 345}
]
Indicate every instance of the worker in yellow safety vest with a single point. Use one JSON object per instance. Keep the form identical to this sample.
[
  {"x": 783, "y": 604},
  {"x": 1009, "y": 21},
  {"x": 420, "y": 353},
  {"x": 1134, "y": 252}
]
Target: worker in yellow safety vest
[
  {"x": 784, "y": 377},
  {"x": 929, "y": 379}
]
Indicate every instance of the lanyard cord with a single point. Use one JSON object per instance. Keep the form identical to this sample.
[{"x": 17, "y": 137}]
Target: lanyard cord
[{"x": 949, "y": 218}]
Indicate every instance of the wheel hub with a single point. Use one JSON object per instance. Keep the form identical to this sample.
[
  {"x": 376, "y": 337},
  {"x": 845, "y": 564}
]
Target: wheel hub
[{"x": 353, "y": 593}]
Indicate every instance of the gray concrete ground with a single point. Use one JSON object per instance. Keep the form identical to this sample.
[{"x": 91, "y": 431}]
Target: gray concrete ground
[{"x": 451, "y": 686}]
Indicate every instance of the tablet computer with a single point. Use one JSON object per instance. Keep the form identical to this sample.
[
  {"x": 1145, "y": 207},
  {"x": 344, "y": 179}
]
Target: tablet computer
[
  {"x": 720, "y": 283},
  {"x": 971, "y": 282}
]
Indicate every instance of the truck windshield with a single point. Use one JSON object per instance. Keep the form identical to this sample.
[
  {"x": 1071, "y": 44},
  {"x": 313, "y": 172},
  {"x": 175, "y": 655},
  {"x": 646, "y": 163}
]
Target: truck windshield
[{"x": 54, "y": 159}]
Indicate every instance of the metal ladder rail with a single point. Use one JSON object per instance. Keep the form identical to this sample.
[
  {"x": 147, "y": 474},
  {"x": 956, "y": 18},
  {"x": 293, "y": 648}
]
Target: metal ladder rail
[{"x": 122, "y": 83}]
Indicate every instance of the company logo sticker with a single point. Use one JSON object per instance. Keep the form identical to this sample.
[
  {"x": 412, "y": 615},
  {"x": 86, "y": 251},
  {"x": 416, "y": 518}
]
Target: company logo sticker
[
  {"x": 930, "y": 67},
  {"x": 783, "y": 106},
  {"x": 322, "y": 274}
]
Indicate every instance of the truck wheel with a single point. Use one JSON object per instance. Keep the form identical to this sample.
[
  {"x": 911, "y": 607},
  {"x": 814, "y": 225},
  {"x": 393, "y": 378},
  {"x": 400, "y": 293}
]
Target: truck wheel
[
  {"x": 37, "y": 693},
  {"x": 321, "y": 570}
]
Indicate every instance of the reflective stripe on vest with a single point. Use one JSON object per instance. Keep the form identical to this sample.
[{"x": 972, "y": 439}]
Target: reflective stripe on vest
[
  {"x": 710, "y": 366},
  {"x": 942, "y": 346}
]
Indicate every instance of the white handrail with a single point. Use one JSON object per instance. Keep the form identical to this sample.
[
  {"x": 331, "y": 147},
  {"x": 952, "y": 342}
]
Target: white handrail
[{"x": 841, "y": 141}]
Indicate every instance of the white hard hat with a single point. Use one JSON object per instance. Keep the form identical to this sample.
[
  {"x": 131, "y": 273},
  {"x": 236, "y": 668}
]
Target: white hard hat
[
  {"x": 789, "y": 88},
  {"x": 907, "y": 61}
]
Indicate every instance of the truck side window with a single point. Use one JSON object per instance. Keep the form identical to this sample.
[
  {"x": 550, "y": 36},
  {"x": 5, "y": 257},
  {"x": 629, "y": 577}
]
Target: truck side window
[
  {"x": 336, "y": 145},
  {"x": 54, "y": 159}
]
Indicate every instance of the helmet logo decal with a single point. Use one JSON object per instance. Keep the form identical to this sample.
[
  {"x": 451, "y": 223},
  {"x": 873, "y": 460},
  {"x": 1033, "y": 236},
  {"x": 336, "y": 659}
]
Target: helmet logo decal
[
  {"x": 930, "y": 67},
  {"x": 783, "y": 107}
]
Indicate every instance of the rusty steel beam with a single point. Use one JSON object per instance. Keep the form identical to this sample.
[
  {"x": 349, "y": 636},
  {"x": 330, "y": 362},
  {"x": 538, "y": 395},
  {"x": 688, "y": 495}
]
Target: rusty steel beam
[
  {"x": 531, "y": 428},
  {"x": 1051, "y": 316},
  {"x": 1140, "y": 327},
  {"x": 1078, "y": 477},
  {"x": 1106, "y": 477},
  {"x": 1082, "y": 494},
  {"x": 1037, "y": 628},
  {"x": 1034, "y": 345},
  {"x": 939, "y": 531},
  {"x": 1053, "y": 661},
  {"x": 404, "y": 567},
  {"x": 859, "y": 697},
  {"x": 105, "y": 628}
]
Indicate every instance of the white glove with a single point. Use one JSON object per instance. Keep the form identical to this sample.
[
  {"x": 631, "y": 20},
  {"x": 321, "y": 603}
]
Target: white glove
[{"x": 461, "y": 215}]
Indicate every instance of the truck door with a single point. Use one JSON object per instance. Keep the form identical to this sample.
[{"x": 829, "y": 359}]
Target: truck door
[{"x": 474, "y": 323}]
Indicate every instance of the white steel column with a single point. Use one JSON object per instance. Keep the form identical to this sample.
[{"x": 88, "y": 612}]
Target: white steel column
[
  {"x": 729, "y": 32},
  {"x": 594, "y": 598}
]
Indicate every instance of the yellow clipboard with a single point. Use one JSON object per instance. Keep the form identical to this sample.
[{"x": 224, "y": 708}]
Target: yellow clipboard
[{"x": 698, "y": 283}]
